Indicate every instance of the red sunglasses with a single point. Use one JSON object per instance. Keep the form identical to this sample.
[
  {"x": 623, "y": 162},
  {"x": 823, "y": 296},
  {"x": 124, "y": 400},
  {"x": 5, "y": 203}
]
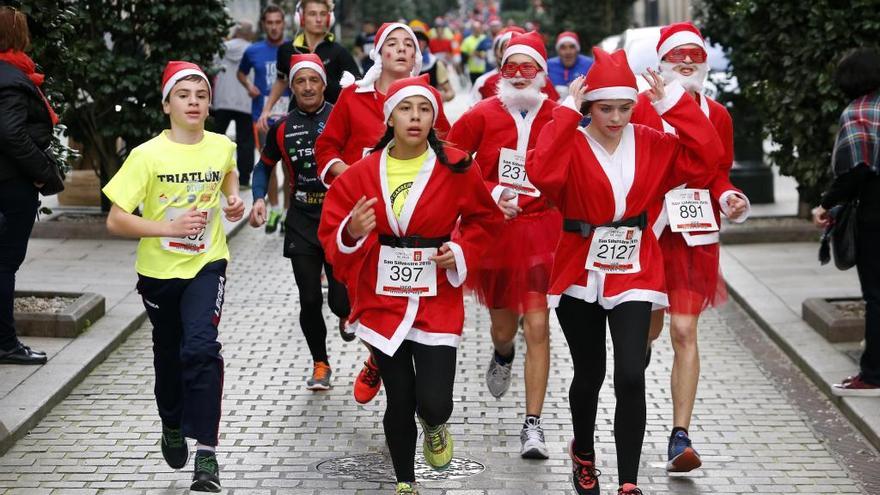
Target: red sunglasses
[
  {"x": 527, "y": 71},
  {"x": 678, "y": 55}
]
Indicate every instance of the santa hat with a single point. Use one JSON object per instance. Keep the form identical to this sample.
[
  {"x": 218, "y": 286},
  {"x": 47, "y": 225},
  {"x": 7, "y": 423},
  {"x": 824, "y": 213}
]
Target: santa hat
[
  {"x": 530, "y": 44},
  {"x": 610, "y": 77},
  {"x": 307, "y": 61},
  {"x": 680, "y": 33},
  {"x": 412, "y": 86},
  {"x": 568, "y": 37},
  {"x": 177, "y": 70},
  {"x": 505, "y": 34},
  {"x": 382, "y": 33}
]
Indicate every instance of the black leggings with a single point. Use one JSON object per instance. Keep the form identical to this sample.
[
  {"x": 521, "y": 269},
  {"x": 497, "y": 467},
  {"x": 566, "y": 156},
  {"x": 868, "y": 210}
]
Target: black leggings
[
  {"x": 307, "y": 272},
  {"x": 584, "y": 326},
  {"x": 425, "y": 389}
]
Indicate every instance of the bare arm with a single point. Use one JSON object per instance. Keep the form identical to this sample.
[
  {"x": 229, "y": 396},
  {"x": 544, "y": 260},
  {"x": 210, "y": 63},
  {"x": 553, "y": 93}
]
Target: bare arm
[
  {"x": 252, "y": 90},
  {"x": 125, "y": 224}
]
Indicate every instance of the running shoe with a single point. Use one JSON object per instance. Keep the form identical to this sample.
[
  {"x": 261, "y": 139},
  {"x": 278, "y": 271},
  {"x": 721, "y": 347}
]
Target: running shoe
[
  {"x": 437, "y": 446},
  {"x": 682, "y": 456},
  {"x": 272, "y": 222},
  {"x": 532, "y": 439},
  {"x": 855, "y": 386},
  {"x": 343, "y": 331},
  {"x": 498, "y": 377},
  {"x": 320, "y": 379},
  {"x": 406, "y": 489},
  {"x": 584, "y": 475},
  {"x": 174, "y": 448},
  {"x": 629, "y": 489},
  {"x": 368, "y": 382},
  {"x": 206, "y": 477}
]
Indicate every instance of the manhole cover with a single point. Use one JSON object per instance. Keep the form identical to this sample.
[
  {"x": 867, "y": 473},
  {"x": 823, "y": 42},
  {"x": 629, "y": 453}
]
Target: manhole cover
[{"x": 377, "y": 467}]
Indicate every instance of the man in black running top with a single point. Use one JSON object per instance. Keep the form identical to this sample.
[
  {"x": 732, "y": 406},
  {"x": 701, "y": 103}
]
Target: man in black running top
[{"x": 292, "y": 141}]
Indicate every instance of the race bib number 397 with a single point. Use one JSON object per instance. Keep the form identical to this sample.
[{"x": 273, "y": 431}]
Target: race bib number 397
[
  {"x": 690, "y": 210},
  {"x": 197, "y": 243},
  {"x": 615, "y": 250},
  {"x": 512, "y": 173},
  {"x": 406, "y": 272}
]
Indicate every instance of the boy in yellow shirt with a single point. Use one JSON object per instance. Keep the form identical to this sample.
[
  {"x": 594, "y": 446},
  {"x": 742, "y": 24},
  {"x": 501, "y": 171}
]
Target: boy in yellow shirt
[{"x": 178, "y": 177}]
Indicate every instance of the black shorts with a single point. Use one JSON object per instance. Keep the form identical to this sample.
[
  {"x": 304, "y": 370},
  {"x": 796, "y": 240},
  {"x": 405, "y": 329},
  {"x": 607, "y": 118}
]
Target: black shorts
[{"x": 301, "y": 234}]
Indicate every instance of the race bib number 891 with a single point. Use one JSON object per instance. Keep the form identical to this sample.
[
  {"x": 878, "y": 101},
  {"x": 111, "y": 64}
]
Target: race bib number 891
[
  {"x": 406, "y": 272},
  {"x": 690, "y": 210}
]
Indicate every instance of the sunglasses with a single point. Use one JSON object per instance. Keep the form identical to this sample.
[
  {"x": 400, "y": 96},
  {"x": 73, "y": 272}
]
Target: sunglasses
[
  {"x": 678, "y": 55},
  {"x": 527, "y": 71}
]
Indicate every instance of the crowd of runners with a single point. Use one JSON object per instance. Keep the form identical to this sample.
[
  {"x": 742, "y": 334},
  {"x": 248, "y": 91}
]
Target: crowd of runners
[{"x": 561, "y": 188}]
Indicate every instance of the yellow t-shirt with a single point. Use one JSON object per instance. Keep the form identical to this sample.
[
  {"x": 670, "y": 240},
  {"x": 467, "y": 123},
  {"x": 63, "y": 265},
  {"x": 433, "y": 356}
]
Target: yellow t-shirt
[
  {"x": 170, "y": 178},
  {"x": 401, "y": 175}
]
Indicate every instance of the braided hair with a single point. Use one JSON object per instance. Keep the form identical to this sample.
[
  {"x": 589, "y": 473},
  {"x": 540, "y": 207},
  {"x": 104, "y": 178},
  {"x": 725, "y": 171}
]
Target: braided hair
[{"x": 435, "y": 143}]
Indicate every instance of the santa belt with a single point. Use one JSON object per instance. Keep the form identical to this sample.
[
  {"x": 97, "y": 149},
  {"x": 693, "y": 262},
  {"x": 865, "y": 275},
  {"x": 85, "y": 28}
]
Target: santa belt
[
  {"x": 585, "y": 229},
  {"x": 412, "y": 241}
]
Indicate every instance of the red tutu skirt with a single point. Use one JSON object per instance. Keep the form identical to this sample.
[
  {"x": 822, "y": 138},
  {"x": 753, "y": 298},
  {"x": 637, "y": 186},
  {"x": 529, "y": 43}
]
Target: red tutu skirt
[
  {"x": 515, "y": 272},
  {"x": 693, "y": 275}
]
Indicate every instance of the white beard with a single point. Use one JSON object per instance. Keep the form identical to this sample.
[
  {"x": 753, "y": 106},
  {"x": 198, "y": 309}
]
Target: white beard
[
  {"x": 693, "y": 82},
  {"x": 522, "y": 100}
]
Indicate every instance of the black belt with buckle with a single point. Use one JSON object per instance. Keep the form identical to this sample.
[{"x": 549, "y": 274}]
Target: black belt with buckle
[
  {"x": 412, "y": 241},
  {"x": 585, "y": 229}
]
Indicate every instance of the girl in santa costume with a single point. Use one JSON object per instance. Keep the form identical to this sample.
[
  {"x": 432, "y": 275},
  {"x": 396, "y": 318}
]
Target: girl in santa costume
[
  {"x": 387, "y": 227},
  {"x": 608, "y": 266},
  {"x": 515, "y": 274},
  {"x": 687, "y": 228},
  {"x": 356, "y": 124}
]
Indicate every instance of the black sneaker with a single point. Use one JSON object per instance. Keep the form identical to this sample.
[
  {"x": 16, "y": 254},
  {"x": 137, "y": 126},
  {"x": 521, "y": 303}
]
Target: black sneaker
[
  {"x": 206, "y": 477},
  {"x": 174, "y": 448}
]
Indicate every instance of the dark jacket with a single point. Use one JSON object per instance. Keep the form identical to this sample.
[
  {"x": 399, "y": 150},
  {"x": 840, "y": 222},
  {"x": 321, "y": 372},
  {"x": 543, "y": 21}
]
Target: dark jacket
[
  {"x": 335, "y": 57},
  {"x": 25, "y": 129}
]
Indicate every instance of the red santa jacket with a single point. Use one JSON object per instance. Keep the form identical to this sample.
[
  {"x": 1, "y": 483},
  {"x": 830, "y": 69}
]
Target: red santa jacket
[
  {"x": 438, "y": 201},
  {"x": 570, "y": 169},
  {"x": 489, "y": 126},
  {"x": 719, "y": 185},
  {"x": 355, "y": 125},
  {"x": 487, "y": 86}
]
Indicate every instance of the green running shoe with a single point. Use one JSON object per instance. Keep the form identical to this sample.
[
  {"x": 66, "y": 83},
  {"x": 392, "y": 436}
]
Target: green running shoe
[
  {"x": 174, "y": 448},
  {"x": 206, "y": 477},
  {"x": 272, "y": 222},
  {"x": 437, "y": 446},
  {"x": 407, "y": 489}
]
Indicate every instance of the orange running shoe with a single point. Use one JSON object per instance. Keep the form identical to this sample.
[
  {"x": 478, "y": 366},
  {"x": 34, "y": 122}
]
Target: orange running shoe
[
  {"x": 320, "y": 379},
  {"x": 368, "y": 382}
]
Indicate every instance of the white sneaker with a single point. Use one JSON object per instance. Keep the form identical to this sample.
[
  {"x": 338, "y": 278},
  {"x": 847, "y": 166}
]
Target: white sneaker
[
  {"x": 498, "y": 377},
  {"x": 532, "y": 439}
]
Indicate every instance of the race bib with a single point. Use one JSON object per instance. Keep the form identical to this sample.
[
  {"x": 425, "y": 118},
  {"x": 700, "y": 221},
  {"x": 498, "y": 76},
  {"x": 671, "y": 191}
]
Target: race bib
[
  {"x": 279, "y": 109},
  {"x": 690, "y": 210},
  {"x": 194, "y": 244},
  {"x": 615, "y": 250},
  {"x": 512, "y": 173},
  {"x": 406, "y": 272}
]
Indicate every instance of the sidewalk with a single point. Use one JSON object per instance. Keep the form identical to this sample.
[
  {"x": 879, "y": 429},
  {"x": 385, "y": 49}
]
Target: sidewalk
[
  {"x": 105, "y": 267},
  {"x": 771, "y": 281}
]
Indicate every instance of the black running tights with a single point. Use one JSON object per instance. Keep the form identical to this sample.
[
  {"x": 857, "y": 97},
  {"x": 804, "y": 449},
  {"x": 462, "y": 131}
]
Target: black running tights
[
  {"x": 307, "y": 272},
  {"x": 583, "y": 324},
  {"x": 418, "y": 379}
]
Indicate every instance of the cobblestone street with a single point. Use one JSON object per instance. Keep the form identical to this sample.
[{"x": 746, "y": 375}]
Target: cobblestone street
[{"x": 760, "y": 427}]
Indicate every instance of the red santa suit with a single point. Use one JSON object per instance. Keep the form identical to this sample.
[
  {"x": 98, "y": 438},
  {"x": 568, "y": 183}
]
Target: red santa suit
[
  {"x": 440, "y": 201},
  {"x": 515, "y": 273},
  {"x": 356, "y": 122},
  {"x": 691, "y": 260},
  {"x": 593, "y": 188}
]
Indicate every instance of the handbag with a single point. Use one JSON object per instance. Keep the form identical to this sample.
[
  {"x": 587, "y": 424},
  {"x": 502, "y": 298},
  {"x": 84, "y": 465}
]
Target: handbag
[
  {"x": 56, "y": 182},
  {"x": 844, "y": 235}
]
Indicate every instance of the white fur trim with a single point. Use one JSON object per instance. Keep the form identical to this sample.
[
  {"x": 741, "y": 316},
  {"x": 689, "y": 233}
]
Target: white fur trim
[
  {"x": 433, "y": 338},
  {"x": 724, "y": 208},
  {"x": 180, "y": 75},
  {"x": 701, "y": 239},
  {"x": 568, "y": 39},
  {"x": 678, "y": 39},
  {"x": 389, "y": 346},
  {"x": 619, "y": 167},
  {"x": 524, "y": 50},
  {"x": 405, "y": 93},
  {"x": 569, "y": 103},
  {"x": 457, "y": 277},
  {"x": 496, "y": 193},
  {"x": 327, "y": 170},
  {"x": 613, "y": 93},
  {"x": 674, "y": 92},
  {"x": 341, "y": 245},
  {"x": 307, "y": 64}
]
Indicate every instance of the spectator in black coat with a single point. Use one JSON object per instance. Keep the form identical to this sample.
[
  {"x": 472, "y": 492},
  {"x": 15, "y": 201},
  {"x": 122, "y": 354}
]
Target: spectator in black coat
[{"x": 26, "y": 122}]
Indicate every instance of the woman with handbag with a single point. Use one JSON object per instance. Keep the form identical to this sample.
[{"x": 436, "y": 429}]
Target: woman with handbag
[
  {"x": 856, "y": 165},
  {"x": 26, "y": 122}
]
